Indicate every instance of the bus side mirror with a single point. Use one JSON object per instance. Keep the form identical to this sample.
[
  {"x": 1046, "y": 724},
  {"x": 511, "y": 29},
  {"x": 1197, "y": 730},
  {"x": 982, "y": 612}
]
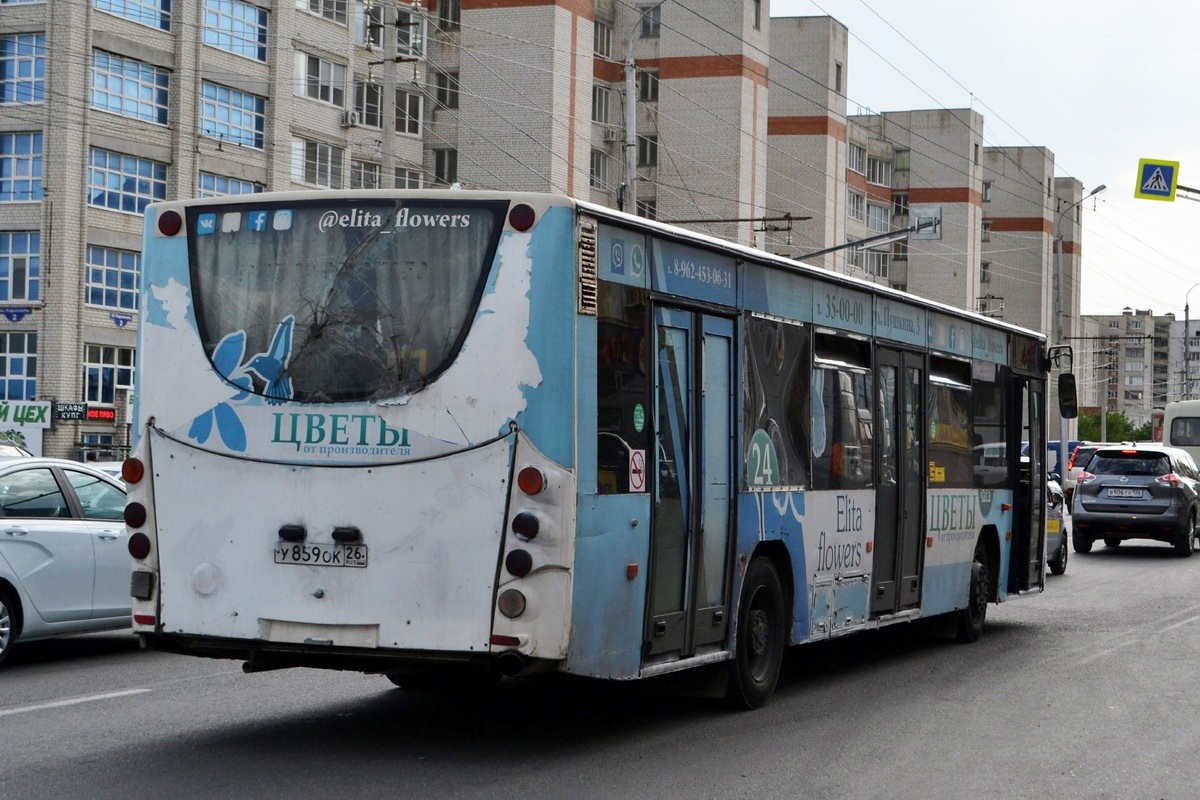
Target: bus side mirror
[{"x": 1068, "y": 402}]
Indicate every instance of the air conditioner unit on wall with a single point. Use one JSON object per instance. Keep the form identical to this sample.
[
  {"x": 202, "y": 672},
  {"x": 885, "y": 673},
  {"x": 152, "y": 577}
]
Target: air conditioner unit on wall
[
  {"x": 612, "y": 135},
  {"x": 351, "y": 119}
]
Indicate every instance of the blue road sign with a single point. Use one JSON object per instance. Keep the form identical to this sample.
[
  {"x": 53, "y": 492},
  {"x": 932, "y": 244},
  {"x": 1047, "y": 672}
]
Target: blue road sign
[{"x": 1157, "y": 180}]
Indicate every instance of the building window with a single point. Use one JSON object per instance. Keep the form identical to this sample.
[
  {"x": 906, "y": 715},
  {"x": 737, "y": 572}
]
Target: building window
[
  {"x": 408, "y": 112},
  {"x": 757, "y": 15},
  {"x": 1135, "y": 352},
  {"x": 123, "y": 182},
  {"x": 449, "y": 14},
  {"x": 23, "y": 68},
  {"x": 855, "y": 206},
  {"x": 329, "y": 9},
  {"x": 837, "y": 77},
  {"x": 647, "y": 151},
  {"x": 900, "y": 250},
  {"x": 987, "y": 191},
  {"x": 856, "y": 159},
  {"x": 408, "y": 178},
  {"x": 447, "y": 89},
  {"x": 651, "y": 21},
  {"x": 232, "y": 116},
  {"x": 410, "y": 33},
  {"x": 365, "y": 174},
  {"x": 212, "y": 185},
  {"x": 18, "y": 366},
  {"x": 20, "y": 167},
  {"x": 368, "y": 24},
  {"x": 1135, "y": 324},
  {"x": 323, "y": 80},
  {"x": 648, "y": 85},
  {"x": 900, "y": 204},
  {"x": 648, "y": 209},
  {"x": 112, "y": 278},
  {"x": 1135, "y": 366},
  {"x": 879, "y": 172},
  {"x": 599, "y": 172},
  {"x": 902, "y": 159},
  {"x": 236, "y": 27},
  {"x": 878, "y": 218},
  {"x": 977, "y": 154},
  {"x": 876, "y": 263},
  {"x": 600, "y": 97},
  {"x": 130, "y": 88},
  {"x": 317, "y": 163},
  {"x": 445, "y": 165},
  {"x": 602, "y": 39},
  {"x": 368, "y": 103},
  {"x": 1112, "y": 323},
  {"x": 20, "y": 265},
  {"x": 985, "y": 271},
  {"x": 985, "y": 231},
  {"x": 152, "y": 13},
  {"x": 106, "y": 369}
]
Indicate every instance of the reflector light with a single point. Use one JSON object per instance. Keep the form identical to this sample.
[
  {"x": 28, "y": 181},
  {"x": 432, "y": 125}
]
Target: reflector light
[
  {"x": 531, "y": 480},
  {"x": 139, "y": 546},
  {"x": 525, "y": 526},
  {"x": 143, "y": 619},
  {"x": 511, "y": 604},
  {"x": 133, "y": 470},
  {"x": 170, "y": 223},
  {"x": 521, "y": 217},
  {"x": 505, "y": 641},
  {"x": 135, "y": 515},
  {"x": 519, "y": 563}
]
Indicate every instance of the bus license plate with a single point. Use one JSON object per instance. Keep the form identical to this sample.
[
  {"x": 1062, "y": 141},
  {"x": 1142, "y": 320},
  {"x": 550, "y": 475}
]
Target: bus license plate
[
  {"x": 1124, "y": 492},
  {"x": 322, "y": 555}
]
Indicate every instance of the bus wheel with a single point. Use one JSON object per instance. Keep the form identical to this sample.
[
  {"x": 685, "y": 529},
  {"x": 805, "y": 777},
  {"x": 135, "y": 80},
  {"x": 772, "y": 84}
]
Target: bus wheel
[
  {"x": 755, "y": 667},
  {"x": 971, "y": 618}
]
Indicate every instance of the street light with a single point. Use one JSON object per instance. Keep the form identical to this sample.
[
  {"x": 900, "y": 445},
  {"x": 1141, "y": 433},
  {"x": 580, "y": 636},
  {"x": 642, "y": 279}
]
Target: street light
[
  {"x": 1187, "y": 351},
  {"x": 1058, "y": 325}
]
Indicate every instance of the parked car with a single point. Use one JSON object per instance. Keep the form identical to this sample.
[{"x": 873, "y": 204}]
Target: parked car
[
  {"x": 9, "y": 450},
  {"x": 1076, "y": 463},
  {"x": 1056, "y": 529},
  {"x": 113, "y": 468},
  {"x": 1137, "y": 492},
  {"x": 64, "y": 559}
]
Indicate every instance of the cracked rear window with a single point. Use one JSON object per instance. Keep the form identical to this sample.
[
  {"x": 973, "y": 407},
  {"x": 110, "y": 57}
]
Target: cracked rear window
[{"x": 343, "y": 301}]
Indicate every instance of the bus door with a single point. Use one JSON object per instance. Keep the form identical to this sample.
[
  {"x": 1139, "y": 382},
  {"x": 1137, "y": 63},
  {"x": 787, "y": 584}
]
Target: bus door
[
  {"x": 1029, "y": 503},
  {"x": 900, "y": 489},
  {"x": 692, "y": 479}
]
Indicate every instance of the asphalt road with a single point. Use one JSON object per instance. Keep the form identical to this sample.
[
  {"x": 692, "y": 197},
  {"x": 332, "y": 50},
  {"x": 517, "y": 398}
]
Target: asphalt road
[{"x": 1082, "y": 692}]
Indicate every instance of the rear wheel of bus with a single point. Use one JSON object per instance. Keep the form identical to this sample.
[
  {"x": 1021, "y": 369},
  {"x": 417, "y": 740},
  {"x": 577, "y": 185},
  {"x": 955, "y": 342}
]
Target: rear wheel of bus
[
  {"x": 758, "y": 655},
  {"x": 971, "y": 619}
]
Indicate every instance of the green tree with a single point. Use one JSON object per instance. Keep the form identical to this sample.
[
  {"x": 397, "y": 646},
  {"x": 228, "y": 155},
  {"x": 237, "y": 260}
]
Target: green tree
[{"x": 1120, "y": 429}]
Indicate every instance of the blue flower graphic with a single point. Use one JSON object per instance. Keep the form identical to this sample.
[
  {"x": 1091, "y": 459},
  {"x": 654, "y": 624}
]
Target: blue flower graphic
[{"x": 227, "y": 358}]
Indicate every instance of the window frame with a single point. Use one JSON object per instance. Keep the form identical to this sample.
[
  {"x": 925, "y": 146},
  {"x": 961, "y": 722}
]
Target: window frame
[
  {"x": 648, "y": 85},
  {"x": 224, "y": 102},
  {"x": 18, "y": 49},
  {"x": 370, "y": 113},
  {"x": 156, "y": 181},
  {"x": 149, "y": 9},
  {"x": 115, "y": 368},
  {"x": 25, "y": 379},
  {"x": 242, "y": 36},
  {"x": 230, "y": 183},
  {"x": 314, "y": 161},
  {"x": 22, "y": 169},
  {"x": 23, "y": 247},
  {"x": 414, "y": 124},
  {"x": 106, "y": 276},
  {"x": 319, "y": 78}
]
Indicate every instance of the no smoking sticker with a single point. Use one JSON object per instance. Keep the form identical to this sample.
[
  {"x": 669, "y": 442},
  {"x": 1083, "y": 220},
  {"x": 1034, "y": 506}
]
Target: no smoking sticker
[{"x": 637, "y": 470}]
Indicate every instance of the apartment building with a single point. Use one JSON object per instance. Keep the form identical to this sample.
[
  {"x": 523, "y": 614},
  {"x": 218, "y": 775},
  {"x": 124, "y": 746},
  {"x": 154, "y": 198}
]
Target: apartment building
[
  {"x": 736, "y": 125},
  {"x": 1125, "y": 362}
]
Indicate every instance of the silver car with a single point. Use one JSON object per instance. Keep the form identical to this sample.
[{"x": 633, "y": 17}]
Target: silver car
[
  {"x": 1137, "y": 492},
  {"x": 64, "y": 559}
]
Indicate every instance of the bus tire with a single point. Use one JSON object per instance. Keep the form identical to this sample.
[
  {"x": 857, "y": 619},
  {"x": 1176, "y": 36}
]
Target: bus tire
[
  {"x": 1081, "y": 543},
  {"x": 8, "y": 624},
  {"x": 758, "y": 655},
  {"x": 971, "y": 619}
]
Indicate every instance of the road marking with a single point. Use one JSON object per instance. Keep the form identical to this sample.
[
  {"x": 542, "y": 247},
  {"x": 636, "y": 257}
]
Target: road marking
[{"x": 8, "y": 712}]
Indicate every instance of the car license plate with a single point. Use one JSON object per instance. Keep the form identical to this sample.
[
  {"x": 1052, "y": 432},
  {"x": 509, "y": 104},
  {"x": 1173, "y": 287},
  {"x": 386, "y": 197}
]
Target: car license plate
[
  {"x": 1124, "y": 492},
  {"x": 322, "y": 555}
]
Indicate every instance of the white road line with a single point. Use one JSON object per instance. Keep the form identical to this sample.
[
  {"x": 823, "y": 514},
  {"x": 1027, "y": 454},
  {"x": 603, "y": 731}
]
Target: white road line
[{"x": 8, "y": 712}]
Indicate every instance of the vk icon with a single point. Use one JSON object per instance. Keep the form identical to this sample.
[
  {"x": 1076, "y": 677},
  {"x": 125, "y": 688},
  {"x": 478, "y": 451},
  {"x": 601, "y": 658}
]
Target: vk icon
[
  {"x": 256, "y": 221},
  {"x": 206, "y": 223}
]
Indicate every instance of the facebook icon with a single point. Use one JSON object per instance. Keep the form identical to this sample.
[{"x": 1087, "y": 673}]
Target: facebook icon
[{"x": 257, "y": 221}]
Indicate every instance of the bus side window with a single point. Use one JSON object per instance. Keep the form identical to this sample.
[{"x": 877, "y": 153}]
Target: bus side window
[{"x": 622, "y": 385}]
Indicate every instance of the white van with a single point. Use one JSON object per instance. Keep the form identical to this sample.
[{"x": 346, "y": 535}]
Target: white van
[{"x": 1181, "y": 426}]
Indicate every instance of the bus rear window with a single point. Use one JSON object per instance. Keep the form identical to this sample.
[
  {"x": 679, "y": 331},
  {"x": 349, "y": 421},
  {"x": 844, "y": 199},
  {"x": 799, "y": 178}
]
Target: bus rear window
[
  {"x": 339, "y": 302},
  {"x": 1185, "y": 432}
]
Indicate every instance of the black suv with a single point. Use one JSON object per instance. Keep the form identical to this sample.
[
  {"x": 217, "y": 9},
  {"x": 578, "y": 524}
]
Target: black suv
[{"x": 1136, "y": 492}]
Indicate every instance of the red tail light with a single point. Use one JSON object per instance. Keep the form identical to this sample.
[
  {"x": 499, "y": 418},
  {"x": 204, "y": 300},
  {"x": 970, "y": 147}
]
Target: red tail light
[
  {"x": 1085, "y": 477},
  {"x": 1171, "y": 479},
  {"x": 531, "y": 480},
  {"x": 1071, "y": 460},
  {"x": 143, "y": 619},
  {"x": 132, "y": 470},
  {"x": 139, "y": 545}
]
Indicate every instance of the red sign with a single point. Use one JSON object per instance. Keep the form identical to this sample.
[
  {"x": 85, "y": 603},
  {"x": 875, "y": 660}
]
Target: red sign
[{"x": 105, "y": 414}]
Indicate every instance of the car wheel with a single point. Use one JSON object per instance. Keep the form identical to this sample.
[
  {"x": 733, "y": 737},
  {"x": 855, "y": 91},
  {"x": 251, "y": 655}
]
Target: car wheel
[
  {"x": 1058, "y": 564},
  {"x": 1186, "y": 545},
  {"x": 8, "y": 624},
  {"x": 971, "y": 619},
  {"x": 1082, "y": 543},
  {"x": 1112, "y": 541},
  {"x": 758, "y": 657}
]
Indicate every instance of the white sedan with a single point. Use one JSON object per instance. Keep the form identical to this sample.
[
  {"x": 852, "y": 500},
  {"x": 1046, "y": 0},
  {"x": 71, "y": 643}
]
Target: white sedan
[{"x": 64, "y": 559}]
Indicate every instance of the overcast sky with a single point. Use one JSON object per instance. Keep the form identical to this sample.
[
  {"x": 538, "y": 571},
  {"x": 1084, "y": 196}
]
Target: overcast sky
[{"x": 1099, "y": 83}]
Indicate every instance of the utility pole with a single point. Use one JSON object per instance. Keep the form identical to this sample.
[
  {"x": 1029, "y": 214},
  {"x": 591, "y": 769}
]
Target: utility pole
[{"x": 631, "y": 154}]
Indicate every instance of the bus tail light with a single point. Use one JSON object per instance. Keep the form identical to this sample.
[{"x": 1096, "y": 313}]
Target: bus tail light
[
  {"x": 133, "y": 470},
  {"x": 521, "y": 217},
  {"x": 139, "y": 546},
  {"x": 519, "y": 563},
  {"x": 170, "y": 223},
  {"x": 511, "y": 603},
  {"x": 135, "y": 515},
  {"x": 144, "y": 619},
  {"x": 525, "y": 526},
  {"x": 531, "y": 480}
]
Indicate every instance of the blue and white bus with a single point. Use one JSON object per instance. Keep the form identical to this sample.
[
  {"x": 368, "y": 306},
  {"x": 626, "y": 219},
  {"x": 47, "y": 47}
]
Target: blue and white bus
[{"x": 453, "y": 435}]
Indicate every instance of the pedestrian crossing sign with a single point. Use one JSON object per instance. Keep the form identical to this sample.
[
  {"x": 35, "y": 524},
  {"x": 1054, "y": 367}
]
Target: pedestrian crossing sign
[{"x": 1157, "y": 180}]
